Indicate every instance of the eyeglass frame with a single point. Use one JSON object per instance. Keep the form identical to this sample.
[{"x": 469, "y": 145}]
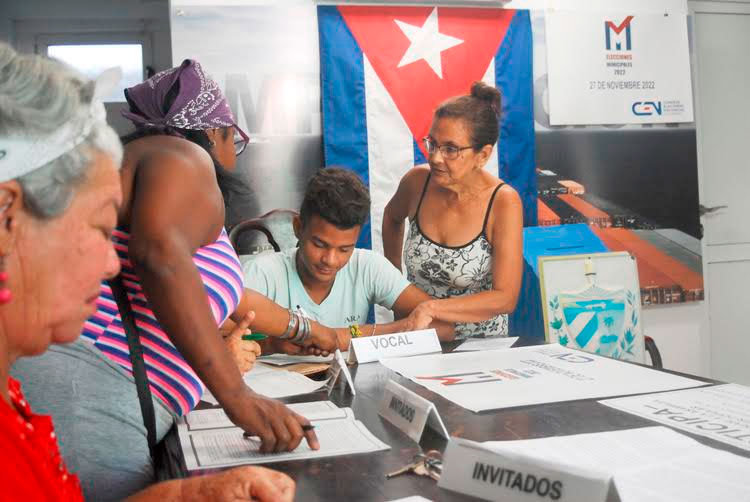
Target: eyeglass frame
[
  {"x": 244, "y": 140},
  {"x": 426, "y": 141}
]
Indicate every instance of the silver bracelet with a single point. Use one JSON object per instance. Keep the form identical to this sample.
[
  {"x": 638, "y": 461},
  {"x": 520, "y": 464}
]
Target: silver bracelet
[
  {"x": 304, "y": 331},
  {"x": 299, "y": 336},
  {"x": 290, "y": 327}
]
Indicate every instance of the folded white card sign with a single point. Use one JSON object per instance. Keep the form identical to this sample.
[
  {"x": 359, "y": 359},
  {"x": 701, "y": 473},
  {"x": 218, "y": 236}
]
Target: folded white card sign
[
  {"x": 473, "y": 469},
  {"x": 410, "y": 343},
  {"x": 410, "y": 412},
  {"x": 335, "y": 370}
]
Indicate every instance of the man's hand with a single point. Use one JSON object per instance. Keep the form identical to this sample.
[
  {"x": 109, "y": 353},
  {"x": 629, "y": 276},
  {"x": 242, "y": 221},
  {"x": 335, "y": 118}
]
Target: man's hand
[
  {"x": 278, "y": 427},
  {"x": 420, "y": 318},
  {"x": 245, "y": 352}
]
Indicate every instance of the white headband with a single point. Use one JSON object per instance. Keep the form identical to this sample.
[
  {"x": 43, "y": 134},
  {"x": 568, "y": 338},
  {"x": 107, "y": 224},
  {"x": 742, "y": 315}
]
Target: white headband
[{"x": 20, "y": 155}]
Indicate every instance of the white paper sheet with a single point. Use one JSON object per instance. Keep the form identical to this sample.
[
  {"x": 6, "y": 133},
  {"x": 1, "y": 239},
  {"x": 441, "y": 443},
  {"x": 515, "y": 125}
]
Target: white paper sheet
[
  {"x": 495, "y": 379},
  {"x": 274, "y": 383},
  {"x": 216, "y": 418},
  {"x": 720, "y": 412},
  {"x": 492, "y": 343},
  {"x": 651, "y": 464},
  {"x": 286, "y": 359},
  {"x": 226, "y": 446}
]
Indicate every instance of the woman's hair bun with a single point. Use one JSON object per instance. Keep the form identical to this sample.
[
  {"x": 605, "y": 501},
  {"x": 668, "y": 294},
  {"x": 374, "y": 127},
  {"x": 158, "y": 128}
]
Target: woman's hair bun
[{"x": 487, "y": 93}]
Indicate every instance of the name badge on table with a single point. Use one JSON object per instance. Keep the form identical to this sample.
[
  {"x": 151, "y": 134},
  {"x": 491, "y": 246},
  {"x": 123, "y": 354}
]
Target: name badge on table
[
  {"x": 410, "y": 343},
  {"x": 473, "y": 469},
  {"x": 410, "y": 412},
  {"x": 337, "y": 368}
]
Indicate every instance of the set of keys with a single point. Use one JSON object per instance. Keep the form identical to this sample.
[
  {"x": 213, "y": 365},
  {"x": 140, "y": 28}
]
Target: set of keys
[{"x": 424, "y": 464}]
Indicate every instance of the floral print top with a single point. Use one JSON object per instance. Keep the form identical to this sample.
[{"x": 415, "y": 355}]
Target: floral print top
[{"x": 447, "y": 271}]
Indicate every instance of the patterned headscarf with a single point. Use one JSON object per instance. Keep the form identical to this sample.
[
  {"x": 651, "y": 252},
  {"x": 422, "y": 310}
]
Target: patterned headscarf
[{"x": 198, "y": 105}]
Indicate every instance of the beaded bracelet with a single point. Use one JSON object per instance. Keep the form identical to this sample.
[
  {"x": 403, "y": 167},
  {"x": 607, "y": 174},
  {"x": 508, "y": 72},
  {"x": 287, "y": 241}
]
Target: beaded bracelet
[{"x": 355, "y": 331}]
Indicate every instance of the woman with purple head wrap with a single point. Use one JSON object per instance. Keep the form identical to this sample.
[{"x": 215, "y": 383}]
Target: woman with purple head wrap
[{"x": 183, "y": 280}]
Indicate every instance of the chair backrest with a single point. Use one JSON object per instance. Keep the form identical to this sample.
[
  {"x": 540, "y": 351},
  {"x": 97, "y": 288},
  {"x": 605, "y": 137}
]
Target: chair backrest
[
  {"x": 593, "y": 302},
  {"x": 271, "y": 231}
]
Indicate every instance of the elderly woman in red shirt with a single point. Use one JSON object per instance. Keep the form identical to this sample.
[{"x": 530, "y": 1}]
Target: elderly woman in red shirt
[{"x": 59, "y": 197}]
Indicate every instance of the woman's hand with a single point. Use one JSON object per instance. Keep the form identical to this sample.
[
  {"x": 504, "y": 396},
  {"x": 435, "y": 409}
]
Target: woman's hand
[
  {"x": 420, "y": 318},
  {"x": 278, "y": 427},
  {"x": 245, "y": 352},
  {"x": 245, "y": 483}
]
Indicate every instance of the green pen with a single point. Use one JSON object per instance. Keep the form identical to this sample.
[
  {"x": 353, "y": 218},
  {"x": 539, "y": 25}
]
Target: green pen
[{"x": 256, "y": 337}]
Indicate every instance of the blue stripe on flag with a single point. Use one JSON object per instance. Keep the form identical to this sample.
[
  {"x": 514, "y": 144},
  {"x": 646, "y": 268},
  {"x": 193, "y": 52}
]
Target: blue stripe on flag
[
  {"x": 342, "y": 88},
  {"x": 513, "y": 75},
  {"x": 419, "y": 157}
]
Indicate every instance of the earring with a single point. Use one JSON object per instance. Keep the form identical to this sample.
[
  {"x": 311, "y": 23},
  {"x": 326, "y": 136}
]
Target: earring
[
  {"x": 5, "y": 293},
  {"x": 211, "y": 143}
]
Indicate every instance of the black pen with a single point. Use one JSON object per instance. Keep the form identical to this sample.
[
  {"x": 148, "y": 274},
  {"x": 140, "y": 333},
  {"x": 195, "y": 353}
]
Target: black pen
[{"x": 304, "y": 428}]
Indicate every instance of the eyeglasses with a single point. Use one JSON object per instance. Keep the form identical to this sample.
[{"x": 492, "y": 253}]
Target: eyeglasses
[
  {"x": 240, "y": 141},
  {"x": 449, "y": 152}
]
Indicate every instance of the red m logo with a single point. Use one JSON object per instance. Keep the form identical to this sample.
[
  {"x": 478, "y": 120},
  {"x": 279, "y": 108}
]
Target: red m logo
[{"x": 623, "y": 25}]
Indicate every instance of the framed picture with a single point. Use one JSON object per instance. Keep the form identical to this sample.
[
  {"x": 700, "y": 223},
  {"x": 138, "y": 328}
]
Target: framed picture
[{"x": 593, "y": 302}]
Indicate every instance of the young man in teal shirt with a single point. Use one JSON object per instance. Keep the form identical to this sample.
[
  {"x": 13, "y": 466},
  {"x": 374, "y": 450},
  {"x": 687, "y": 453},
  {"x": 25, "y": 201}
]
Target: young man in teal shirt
[{"x": 327, "y": 278}]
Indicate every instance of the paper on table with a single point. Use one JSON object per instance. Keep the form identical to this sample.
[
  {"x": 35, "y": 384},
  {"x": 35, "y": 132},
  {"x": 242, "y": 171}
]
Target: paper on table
[
  {"x": 227, "y": 447},
  {"x": 492, "y": 343},
  {"x": 274, "y": 383},
  {"x": 649, "y": 464},
  {"x": 286, "y": 359},
  {"x": 493, "y": 379},
  {"x": 413, "y": 498},
  {"x": 216, "y": 418},
  {"x": 720, "y": 412}
]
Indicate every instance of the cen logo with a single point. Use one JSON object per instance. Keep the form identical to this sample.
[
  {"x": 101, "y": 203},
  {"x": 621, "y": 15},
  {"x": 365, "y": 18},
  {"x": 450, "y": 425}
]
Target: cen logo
[
  {"x": 614, "y": 35},
  {"x": 645, "y": 108}
]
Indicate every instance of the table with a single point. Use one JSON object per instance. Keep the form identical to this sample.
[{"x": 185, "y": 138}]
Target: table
[{"x": 362, "y": 477}]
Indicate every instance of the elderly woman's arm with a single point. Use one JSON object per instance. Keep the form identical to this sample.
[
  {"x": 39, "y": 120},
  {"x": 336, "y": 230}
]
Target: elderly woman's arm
[
  {"x": 506, "y": 237},
  {"x": 402, "y": 204}
]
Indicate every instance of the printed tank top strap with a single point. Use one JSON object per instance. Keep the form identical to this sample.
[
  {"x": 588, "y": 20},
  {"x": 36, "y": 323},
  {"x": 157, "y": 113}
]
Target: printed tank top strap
[{"x": 489, "y": 208}]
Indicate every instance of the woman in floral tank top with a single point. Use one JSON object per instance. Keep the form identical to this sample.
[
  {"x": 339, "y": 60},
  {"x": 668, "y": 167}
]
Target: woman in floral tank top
[{"x": 464, "y": 240}]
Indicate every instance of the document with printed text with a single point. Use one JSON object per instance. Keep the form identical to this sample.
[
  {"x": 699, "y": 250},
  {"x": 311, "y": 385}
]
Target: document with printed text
[{"x": 209, "y": 439}]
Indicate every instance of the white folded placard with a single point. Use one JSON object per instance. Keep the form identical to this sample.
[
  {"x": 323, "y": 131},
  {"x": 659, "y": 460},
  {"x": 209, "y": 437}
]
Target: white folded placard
[
  {"x": 338, "y": 366},
  {"x": 410, "y": 343},
  {"x": 472, "y": 469},
  {"x": 410, "y": 412}
]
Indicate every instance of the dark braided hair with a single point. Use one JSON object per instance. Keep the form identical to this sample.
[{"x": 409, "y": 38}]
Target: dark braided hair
[
  {"x": 480, "y": 110},
  {"x": 338, "y": 196}
]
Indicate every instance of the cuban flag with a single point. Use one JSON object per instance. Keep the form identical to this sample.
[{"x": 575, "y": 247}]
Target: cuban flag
[{"x": 385, "y": 69}]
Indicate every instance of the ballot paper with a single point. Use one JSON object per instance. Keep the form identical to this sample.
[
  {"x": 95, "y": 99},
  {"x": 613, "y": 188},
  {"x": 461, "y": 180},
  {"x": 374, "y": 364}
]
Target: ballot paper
[
  {"x": 720, "y": 412},
  {"x": 650, "y": 464},
  {"x": 492, "y": 343},
  {"x": 492, "y": 379},
  {"x": 209, "y": 440},
  {"x": 274, "y": 383}
]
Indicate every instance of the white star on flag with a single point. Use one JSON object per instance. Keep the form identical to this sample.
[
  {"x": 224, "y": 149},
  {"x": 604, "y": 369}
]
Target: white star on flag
[{"x": 426, "y": 43}]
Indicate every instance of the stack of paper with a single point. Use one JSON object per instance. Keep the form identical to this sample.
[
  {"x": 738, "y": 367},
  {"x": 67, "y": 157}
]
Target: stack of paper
[
  {"x": 209, "y": 439},
  {"x": 274, "y": 383}
]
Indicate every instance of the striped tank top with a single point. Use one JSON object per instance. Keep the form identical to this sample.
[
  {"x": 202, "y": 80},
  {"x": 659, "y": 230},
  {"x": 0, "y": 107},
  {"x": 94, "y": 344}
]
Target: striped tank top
[
  {"x": 171, "y": 378},
  {"x": 446, "y": 271}
]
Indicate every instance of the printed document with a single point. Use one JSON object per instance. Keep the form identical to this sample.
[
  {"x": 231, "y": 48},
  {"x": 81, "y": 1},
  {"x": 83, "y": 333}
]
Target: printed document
[
  {"x": 492, "y": 343},
  {"x": 209, "y": 439},
  {"x": 493, "y": 379},
  {"x": 650, "y": 464},
  {"x": 720, "y": 412}
]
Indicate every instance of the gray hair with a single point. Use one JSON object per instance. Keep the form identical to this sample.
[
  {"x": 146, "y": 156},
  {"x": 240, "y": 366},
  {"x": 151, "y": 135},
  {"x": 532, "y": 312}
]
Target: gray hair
[{"x": 37, "y": 96}]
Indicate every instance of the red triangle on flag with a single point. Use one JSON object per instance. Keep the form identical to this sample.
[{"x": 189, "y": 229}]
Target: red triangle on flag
[{"x": 416, "y": 88}]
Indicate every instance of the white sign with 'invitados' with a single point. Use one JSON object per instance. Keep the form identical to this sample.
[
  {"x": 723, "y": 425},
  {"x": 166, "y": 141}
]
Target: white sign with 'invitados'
[
  {"x": 474, "y": 469},
  {"x": 410, "y": 343},
  {"x": 409, "y": 411}
]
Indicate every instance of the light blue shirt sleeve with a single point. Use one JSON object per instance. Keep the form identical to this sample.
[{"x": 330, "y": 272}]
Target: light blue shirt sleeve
[
  {"x": 383, "y": 282},
  {"x": 266, "y": 274}
]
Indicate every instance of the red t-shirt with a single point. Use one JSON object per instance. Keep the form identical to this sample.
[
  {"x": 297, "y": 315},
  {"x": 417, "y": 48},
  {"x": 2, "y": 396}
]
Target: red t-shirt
[{"x": 31, "y": 468}]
